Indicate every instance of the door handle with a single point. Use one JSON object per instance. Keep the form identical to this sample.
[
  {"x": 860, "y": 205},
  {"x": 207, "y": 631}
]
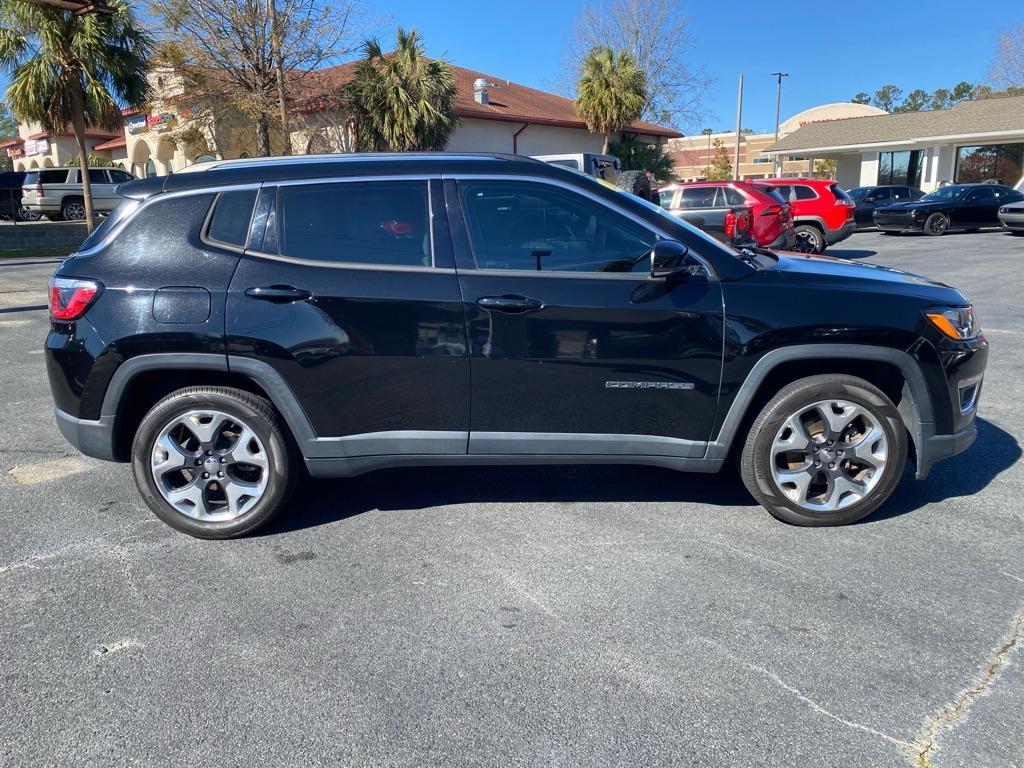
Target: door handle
[
  {"x": 511, "y": 303},
  {"x": 279, "y": 294}
]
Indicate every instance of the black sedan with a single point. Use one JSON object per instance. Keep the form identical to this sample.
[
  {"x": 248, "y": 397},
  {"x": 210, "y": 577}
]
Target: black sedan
[
  {"x": 869, "y": 198},
  {"x": 966, "y": 207}
]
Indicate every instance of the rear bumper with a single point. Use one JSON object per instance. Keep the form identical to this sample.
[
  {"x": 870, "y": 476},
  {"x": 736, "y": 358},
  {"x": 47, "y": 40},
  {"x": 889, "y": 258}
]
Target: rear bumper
[
  {"x": 93, "y": 438},
  {"x": 838, "y": 235},
  {"x": 784, "y": 242}
]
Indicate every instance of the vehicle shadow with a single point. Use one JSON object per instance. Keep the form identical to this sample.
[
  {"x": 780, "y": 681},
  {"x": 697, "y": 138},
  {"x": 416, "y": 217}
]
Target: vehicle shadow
[
  {"x": 995, "y": 451},
  {"x": 327, "y": 501}
]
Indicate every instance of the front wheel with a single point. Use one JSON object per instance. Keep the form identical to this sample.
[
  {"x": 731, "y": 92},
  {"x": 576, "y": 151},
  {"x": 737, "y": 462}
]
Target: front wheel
[
  {"x": 213, "y": 462},
  {"x": 826, "y": 450},
  {"x": 936, "y": 224}
]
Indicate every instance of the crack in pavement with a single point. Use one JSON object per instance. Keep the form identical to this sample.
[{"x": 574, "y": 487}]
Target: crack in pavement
[
  {"x": 31, "y": 560},
  {"x": 900, "y": 743},
  {"x": 952, "y": 714}
]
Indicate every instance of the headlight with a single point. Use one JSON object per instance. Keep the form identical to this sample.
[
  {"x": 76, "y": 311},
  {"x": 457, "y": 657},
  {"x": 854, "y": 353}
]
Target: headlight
[{"x": 955, "y": 322}]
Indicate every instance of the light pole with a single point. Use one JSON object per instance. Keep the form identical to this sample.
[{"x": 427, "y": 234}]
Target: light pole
[
  {"x": 778, "y": 104},
  {"x": 707, "y": 158}
]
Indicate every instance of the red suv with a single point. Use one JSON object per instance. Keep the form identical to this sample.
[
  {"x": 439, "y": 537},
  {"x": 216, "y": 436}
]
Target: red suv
[
  {"x": 823, "y": 214},
  {"x": 734, "y": 211}
]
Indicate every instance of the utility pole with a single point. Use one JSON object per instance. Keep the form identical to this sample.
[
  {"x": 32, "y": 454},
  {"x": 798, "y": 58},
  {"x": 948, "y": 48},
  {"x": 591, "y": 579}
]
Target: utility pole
[
  {"x": 739, "y": 120},
  {"x": 778, "y": 106},
  {"x": 275, "y": 47}
]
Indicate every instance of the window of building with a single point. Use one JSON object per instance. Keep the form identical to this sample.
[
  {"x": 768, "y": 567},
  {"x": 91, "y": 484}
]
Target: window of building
[
  {"x": 231, "y": 216},
  {"x": 900, "y": 168},
  {"x": 992, "y": 162},
  {"x": 205, "y": 158},
  {"x": 150, "y": 169},
  {"x": 538, "y": 227},
  {"x": 382, "y": 223},
  {"x": 761, "y": 159}
]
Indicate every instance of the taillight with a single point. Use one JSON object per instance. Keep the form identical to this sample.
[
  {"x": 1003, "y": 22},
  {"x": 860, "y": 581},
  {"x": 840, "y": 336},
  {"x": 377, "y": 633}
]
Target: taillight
[
  {"x": 772, "y": 210},
  {"x": 735, "y": 224},
  {"x": 69, "y": 298},
  {"x": 39, "y": 189}
]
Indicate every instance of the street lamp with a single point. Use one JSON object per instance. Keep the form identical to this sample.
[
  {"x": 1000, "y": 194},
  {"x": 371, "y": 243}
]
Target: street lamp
[
  {"x": 707, "y": 158},
  {"x": 778, "y": 105}
]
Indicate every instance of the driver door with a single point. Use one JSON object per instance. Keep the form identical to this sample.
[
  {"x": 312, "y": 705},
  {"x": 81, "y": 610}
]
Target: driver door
[{"x": 574, "y": 348}]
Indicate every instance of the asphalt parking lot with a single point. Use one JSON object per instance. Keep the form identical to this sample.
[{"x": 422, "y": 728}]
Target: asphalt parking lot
[{"x": 519, "y": 616}]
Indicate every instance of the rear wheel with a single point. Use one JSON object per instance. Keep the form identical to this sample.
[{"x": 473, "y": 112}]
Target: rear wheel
[
  {"x": 213, "y": 462},
  {"x": 26, "y": 214},
  {"x": 826, "y": 450},
  {"x": 936, "y": 224},
  {"x": 73, "y": 210},
  {"x": 812, "y": 236}
]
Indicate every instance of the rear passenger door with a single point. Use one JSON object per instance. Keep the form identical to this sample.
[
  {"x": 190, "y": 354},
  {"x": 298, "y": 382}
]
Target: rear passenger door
[{"x": 348, "y": 291}]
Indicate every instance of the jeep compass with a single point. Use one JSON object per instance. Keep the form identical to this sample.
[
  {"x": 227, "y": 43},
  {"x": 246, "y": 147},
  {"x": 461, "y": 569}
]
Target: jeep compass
[{"x": 225, "y": 331}]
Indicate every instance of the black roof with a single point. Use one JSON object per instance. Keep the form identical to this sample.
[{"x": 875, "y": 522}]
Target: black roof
[{"x": 272, "y": 169}]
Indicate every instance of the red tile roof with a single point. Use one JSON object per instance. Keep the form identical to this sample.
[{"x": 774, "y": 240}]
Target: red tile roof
[
  {"x": 11, "y": 143},
  {"x": 89, "y": 134},
  {"x": 113, "y": 144},
  {"x": 509, "y": 102}
]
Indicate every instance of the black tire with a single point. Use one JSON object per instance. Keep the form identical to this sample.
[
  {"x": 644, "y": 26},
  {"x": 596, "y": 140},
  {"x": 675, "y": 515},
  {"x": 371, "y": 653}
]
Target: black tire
[
  {"x": 815, "y": 237},
  {"x": 936, "y": 224},
  {"x": 756, "y": 458},
  {"x": 636, "y": 183},
  {"x": 73, "y": 209},
  {"x": 261, "y": 418}
]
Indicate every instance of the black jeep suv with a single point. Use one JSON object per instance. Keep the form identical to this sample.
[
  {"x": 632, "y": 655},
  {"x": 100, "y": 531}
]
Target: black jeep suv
[{"x": 223, "y": 329}]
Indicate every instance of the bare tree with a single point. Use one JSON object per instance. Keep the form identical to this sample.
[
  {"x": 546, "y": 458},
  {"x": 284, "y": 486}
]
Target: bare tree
[
  {"x": 229, "y": 55},
  {"x": 1008, "y": 65},
  {"x": 657, "y": 35}
]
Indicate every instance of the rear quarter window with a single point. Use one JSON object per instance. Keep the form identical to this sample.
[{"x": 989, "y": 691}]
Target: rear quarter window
[
  {"x": 804, "y": 193},
  {"x": 232, "y": 214},
  {"x": 840, "y": 193}
]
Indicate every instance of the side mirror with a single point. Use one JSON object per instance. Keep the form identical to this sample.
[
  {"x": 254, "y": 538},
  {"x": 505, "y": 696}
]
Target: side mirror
[
  {"x": 869, "y": 199},
  {"x": 668, "y": 258}
]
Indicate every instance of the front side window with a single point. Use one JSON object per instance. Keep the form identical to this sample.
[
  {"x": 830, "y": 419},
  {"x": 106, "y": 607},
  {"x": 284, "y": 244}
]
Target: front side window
[
  {"x": 385, "y": 223},
  {"x": 119, "y": 177},
  {"x": 665, "y": 197},
  {"x": 538, "y": 227}
]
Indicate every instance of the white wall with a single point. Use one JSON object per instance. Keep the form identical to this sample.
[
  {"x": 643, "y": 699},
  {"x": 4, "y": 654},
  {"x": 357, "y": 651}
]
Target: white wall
[
  {"x": 868, "y": 169},
  {"x": 848, "y": 171},
  {"x": 494, "y": 136}
]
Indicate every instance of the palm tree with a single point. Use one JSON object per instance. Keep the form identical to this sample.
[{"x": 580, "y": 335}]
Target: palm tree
[
  {"x": 78, "y": 70},
  {"x": 402, "y": 101},
  {"x": 638, "y": 155},
  {"x": 612, "y": 92}
]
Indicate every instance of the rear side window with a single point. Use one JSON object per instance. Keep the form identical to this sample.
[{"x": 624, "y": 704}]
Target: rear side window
[
  {"x": 232, "y": 213},
  {"x": 698, "y": 197},
  {"x": 120, "y": 176},
  {"x": 840, "y": 193},
  {"x": 50, "y": 177},
  {"x": 125, "y": 208},
  {"x": 804, "y": 193},
  {"x": 732, "y": 197},
  {"x": 384, "y": 223},
  {"x": 773, "y": 193},
  {"x": 785, "y": 190},
  {"x": 31, "y": 178}
]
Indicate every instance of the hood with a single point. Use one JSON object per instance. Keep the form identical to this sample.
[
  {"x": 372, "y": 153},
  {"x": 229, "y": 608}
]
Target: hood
[
  {"x": 916, "y": 205},
  {"x": 825, "y": 271}
]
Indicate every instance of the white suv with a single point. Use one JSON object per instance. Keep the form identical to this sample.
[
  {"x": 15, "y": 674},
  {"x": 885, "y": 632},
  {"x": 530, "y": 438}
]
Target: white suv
[{"x": 57, "y": 192}]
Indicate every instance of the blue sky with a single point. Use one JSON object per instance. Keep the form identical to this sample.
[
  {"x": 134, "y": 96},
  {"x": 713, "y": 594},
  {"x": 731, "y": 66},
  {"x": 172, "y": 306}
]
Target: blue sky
[{"x": 831, "y": 48}]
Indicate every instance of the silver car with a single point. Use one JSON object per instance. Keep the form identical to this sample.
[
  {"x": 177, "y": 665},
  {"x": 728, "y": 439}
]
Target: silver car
[
  {"x": 57, "y": 192},
  {"x": 1012, "y": 217}
]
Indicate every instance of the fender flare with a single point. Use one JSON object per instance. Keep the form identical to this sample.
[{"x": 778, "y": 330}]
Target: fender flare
[{"x": 915, "y": 408}]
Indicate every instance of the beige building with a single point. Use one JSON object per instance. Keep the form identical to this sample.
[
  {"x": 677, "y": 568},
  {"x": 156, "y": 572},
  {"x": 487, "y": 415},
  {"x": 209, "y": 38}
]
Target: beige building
[
  {"x": 496, "y": 115},
  {"x": 35, "y": 147},
  {"x": 970, "y": 142},
  {"x": 693, "y": 155}
]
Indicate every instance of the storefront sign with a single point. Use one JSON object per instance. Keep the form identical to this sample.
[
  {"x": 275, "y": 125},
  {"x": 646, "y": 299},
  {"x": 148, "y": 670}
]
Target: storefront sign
[
  {"x": 15, "y": 152},
  {"x": 135, "y": 124},
  {"x": 161, "y": 122},
  {"x": 37, "y": 147}
]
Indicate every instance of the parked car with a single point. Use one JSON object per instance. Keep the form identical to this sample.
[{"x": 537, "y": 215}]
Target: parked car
[
  {"x": 822, "y": 211},
  {"x": 967, "y": 207},
  {"x": 869, "y": 198},
  {"x": 717, "y": 207},
  {"x": 57, "y": 192},
  {"x": 11, "y": 183},
  {"x": 605, "y": 167},
  {"x": 358, "y": 313},
  {"x": 1012, "y": 217}
]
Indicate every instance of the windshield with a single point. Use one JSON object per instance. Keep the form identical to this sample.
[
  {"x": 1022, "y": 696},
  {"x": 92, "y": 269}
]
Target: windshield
[
  {"x": 858, "y": 193},
  {"x": 946, "y": 193}
]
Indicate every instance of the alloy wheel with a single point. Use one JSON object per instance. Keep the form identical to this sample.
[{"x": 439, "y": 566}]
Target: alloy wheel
[
  {"x": 829, "y": 455},
  {"x": 210, "y": 466},
  {"x": 27, "y": 214},
  {"x": 74, "y": 212},
  {"x": 937, "y": 224}
]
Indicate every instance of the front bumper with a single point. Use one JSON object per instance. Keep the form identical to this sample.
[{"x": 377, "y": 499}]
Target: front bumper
[
  {"x": 93, "y": 438},
  {"x": 935, "y": 448},
  {"x": 898, "y": 223},
  {"x": 1012, "y": 221}
]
